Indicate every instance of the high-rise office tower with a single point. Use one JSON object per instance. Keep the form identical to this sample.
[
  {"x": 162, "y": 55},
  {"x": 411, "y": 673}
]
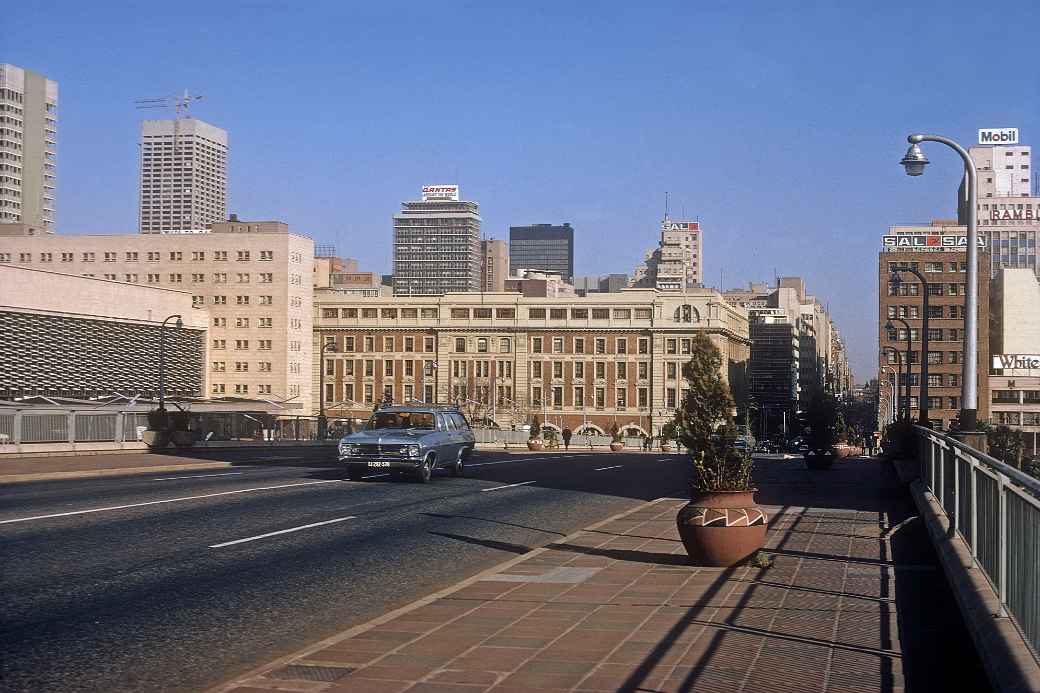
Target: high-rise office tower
[
  {"x": 1008, "y": 213},
  {"x": 183, "y": 175},
  {"x": 28, "y": 147},
  {"x": 677, "y": 262},
  {"x": 494, "y": 265},
  {"x": 543, "y": 247},
  {"x": 437, "y": 244}
]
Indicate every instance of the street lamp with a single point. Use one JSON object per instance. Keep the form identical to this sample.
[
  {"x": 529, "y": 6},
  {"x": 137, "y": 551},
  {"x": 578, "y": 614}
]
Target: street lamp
[
  {"x": 914, "y": 162},
  {"x": 895, "y": 388},
  {"x": 907, "y": 360},
  {"x": 322, "y": 421},
  {"x": 162, "y": 358},
  {"x": 922, "y": 410}
]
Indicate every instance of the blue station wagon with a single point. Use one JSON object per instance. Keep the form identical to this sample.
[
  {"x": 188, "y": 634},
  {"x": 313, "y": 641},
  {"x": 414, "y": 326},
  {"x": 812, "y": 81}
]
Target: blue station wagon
[{"x": 409, "y": 441}]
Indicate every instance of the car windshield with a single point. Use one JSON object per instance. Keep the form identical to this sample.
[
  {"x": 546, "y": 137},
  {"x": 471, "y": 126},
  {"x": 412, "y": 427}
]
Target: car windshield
[{"x": 401, "y": 419}]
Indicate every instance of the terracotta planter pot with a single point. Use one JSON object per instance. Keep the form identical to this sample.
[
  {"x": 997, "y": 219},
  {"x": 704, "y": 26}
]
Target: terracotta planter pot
[
  {"x": 722, "y": 528},
  {"x": 617, "y": 446},
  {"x": 667, "y": 447},
  {"x": 155, "y": 440},
  {"x": 534, "y": 443},
  {"x": 819, "y": 461}
]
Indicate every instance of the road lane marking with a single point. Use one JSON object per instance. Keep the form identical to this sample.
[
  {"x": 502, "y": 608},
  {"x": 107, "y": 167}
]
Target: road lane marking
[
  {"x": 196, "y": 476},
  {"x": 282, "y": 531},
  {"x": 603, "y": 469},
  {"x": 166, "y": 500},
  {"x": 497, "y": 488}
]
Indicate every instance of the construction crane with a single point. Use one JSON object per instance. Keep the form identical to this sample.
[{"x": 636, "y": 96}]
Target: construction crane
[{"x": 180, "y": 104}]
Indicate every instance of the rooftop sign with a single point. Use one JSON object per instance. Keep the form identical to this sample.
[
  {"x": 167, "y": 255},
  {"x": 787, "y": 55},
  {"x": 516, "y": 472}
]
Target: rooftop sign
[
  {"x": 670, "y": 225},
  {"x": 998, "y": 136},
  {"x": 440, "y": 192},
  {"x": 928, "y": 241}
]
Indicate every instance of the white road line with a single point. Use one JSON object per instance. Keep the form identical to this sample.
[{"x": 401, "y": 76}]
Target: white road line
[
  {"x": 497, "y": 488},
  {"x": 603, "y": 469},
  {"x": 196, "y": 476},
  {"x": 281, "y": 531},
  {"x": 167, "y": 500},
  {"x": 373, "y": 476}
]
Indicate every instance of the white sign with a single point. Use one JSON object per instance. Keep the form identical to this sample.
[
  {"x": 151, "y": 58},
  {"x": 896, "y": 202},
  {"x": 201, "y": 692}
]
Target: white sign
[
  {"x": 998, "y": 136},
  {"x": 929, "y": 241},
  {"x": 440, "y": 192},
  {"x": 1017, "y": 361}
]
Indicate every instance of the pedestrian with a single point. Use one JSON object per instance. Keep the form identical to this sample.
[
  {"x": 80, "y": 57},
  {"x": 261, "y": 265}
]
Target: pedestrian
[
  {"x": 566, "y": 438},
  {"x": 646, "y": 442}
]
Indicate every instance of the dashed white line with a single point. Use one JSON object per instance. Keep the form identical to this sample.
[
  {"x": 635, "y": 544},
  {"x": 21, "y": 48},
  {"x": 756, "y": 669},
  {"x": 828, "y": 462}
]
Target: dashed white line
[
  {"x": 282, "y": 531},
  {"x": 196, "y": 476},
  {"x": 603, "y": 469},
  {"x": 166, "y": 500},
  {"x": 498, "y": 488}
]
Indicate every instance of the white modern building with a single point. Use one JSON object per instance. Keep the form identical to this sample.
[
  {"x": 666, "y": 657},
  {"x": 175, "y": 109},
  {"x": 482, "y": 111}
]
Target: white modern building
[
  {"x": 1008, "y": 211},
  {"x": 28, "y": 147},
  {"x": 183, "y": 175},
  {"x": 437, "y": 244},
  {"x": 676, "y": 264}
]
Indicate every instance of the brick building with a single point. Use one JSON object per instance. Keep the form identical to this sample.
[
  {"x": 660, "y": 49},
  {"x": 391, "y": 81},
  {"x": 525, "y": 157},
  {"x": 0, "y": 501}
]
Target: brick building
[
  {"x": 575, "y": 362},
  {"x": 938, "y": 252}
]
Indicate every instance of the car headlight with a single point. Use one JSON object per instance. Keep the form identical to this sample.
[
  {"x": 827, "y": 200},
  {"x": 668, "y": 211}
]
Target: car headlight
[{"x": 413, "y": 450}]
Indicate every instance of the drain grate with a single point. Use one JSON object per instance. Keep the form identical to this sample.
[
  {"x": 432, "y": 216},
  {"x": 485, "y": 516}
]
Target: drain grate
[{"x": 301, "y": 672}]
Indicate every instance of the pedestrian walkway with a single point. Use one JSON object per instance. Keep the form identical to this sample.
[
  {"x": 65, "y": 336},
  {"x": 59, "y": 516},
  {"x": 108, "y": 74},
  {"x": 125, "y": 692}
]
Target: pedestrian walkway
[{"x": 854, "y": 601}]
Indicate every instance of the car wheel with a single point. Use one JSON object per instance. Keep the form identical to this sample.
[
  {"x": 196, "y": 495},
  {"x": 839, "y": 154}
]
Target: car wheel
[
  {"x": 426, "y": 471},
  {"x": 459, "y": 468},
  {"x": 355, "y": 473}
]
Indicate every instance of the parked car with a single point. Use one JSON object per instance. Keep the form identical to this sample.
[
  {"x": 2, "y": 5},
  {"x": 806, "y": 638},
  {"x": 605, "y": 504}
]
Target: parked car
[{"x": 409, "y": 440}]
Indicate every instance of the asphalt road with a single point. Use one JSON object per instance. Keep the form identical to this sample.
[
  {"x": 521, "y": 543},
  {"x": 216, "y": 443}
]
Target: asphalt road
[{"x": 178, "y": 581}]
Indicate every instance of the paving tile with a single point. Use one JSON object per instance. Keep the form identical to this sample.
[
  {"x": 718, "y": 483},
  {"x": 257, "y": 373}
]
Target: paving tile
[
  {"x": 498, "y": 659},
  {"x": 358, "y": 684}
]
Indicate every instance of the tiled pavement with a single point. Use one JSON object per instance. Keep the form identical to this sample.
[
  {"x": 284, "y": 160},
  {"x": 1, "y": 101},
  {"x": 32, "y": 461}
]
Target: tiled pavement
[{"x": 853, "y": 602}]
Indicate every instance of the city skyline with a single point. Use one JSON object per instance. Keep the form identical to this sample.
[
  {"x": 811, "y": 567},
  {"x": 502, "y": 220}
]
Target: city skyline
[{"x": 338, "y": 174}]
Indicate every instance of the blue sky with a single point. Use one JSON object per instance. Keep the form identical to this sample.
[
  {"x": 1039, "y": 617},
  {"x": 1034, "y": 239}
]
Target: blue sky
[{"x": 778, "y": 125}]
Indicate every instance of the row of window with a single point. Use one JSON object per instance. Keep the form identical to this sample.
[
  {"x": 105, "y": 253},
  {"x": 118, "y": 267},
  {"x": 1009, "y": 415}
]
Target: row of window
[
  {"x": 934, "y": 379},
  {"x": 952, "y": 312},
  {"x": 683, "y": 314},
  {"x": 1017, "y": 418},
  {"x": 935, "y": 334},
  {"x": 934, "y": 357},
  {"x": 135, "y": 256},
  {"x": 244, "y": 322},
  {"x": 241, "y": 366},
  {"x": 1016, "y": 396},
  {"x": 598, "y": 399},
  {"x": 243, "y": 389}
]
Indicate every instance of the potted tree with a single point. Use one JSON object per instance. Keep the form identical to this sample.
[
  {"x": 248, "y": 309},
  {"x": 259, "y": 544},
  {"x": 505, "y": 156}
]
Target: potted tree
[
  {"x": 180, "y": 435},
  {"x": 822, "y": 419},
  {"x": 157, "y": 435},
  {"x": 668, "y": 436},
  {"x": 534, "y": 436},
  {"x": 721, "y": 525},
  {"x": 617, "y": 443}
]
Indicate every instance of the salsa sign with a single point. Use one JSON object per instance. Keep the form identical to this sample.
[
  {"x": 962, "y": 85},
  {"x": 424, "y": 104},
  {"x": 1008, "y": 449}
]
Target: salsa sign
[{"x": 928, "y": 241}]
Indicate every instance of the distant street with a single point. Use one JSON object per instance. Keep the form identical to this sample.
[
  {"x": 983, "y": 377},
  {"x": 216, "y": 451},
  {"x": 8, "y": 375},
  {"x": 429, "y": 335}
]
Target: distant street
[{"x": 176, "y": 581}]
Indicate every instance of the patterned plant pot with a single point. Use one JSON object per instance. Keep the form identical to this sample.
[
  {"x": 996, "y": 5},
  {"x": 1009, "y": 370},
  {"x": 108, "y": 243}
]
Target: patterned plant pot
[
  {"x": 534, "y": 443},
  {"x": 722, "y": 528},
  {"x": 617, "y": 446},
  {"x": 155, "y": 440},
  {"x": 819, "y": 461}
]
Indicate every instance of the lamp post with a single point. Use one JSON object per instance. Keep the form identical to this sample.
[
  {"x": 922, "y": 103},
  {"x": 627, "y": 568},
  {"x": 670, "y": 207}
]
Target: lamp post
[
  {"x": 914, "y": 162},
  {"x": 895, "y": 385},
  {"x": 922, "y": 411},
  {"x": 322, "y": 421},
  {"x": 907, "y": 361},
  {"x": 162, "y": 358}
]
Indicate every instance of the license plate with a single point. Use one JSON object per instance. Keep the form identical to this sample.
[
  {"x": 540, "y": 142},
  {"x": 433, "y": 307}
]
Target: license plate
[{"x": 379, "y": 464}]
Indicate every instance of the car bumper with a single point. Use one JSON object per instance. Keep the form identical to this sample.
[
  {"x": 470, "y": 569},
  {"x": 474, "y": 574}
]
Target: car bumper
[{"x": 382, "y": 463}]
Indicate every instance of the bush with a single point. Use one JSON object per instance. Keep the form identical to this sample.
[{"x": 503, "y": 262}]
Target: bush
[
  {"x": 615, "y": 433},
  {"x": 179, "y": 420},
  {"x": 536, "y": 428},
  {"x": 669, "y": 432}
]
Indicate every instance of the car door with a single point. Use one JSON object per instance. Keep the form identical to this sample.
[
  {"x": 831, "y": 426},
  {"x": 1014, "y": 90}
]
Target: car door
[
  {"x": 466, "y": 438},
  {"x": 449, "y": 446}
]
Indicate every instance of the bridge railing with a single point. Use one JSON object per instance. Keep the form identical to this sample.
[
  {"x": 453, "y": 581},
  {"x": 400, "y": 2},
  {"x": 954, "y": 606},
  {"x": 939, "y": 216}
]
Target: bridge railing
[{"x": 995, "y": 509}]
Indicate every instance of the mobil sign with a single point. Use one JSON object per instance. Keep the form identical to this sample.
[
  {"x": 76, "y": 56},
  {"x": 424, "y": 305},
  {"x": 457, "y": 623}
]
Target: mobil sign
[{"x": 998, "y": 136}]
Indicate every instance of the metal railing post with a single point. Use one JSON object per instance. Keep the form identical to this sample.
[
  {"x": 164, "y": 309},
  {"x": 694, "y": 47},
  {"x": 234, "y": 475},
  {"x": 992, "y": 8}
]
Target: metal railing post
[
  {"x": 974, "y": 514},
  {"x": 1002, "y": 583},
  {"x": 955, "y": 525}
]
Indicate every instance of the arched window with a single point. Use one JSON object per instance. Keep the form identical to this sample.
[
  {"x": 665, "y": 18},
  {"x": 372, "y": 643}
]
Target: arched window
[{"x": 686, "y": 313}]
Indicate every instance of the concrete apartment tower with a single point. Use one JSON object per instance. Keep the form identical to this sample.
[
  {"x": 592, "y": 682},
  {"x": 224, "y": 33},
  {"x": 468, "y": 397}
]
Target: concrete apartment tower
[
  {"x": 28, "y": 147},
  {"x": 677, "y": 262},
  {"x": 494, "y": 265},
  {"x": 183, "y": 175},
  {"x": 437, "y": 244}
]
